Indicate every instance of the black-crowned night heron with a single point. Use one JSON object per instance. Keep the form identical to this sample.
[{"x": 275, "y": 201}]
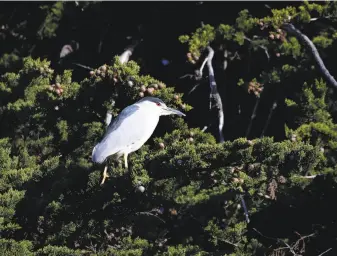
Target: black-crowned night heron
[{"x": 131, "y": 129}]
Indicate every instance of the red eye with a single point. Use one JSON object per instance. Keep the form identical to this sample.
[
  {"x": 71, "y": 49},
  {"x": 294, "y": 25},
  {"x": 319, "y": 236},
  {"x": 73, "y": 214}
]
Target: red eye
[{"x": 158, "y": 104}]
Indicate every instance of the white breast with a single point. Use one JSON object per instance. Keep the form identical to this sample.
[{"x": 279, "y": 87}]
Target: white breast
[{"x": 141, "y": 130}]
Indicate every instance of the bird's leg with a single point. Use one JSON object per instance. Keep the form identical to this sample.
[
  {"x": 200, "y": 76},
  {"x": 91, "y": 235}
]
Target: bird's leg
[
  {"x": 105, "y": 174},
  {"x": 126, "y": 160}
]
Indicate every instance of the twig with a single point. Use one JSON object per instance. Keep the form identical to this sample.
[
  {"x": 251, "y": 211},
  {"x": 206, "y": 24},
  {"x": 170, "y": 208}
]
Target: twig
[
  {"x": 325, "y": 252},
  {"x": 202, "y": 66},
  {"x": 323, "y": 17},
  {"x": 235, "y": 56},
  {"x": 278, "y": 240},
  {"x": 260, "y": 46},
  {"x": 252, "y": 117},
  {"x": 229, "y": 242},
  {"x": 306, "y": 177},
  {"x": 225, "y": 62},
  {"x": 198, "y": 76},
  {"x": 291, "y": 29},
  {"x": 290, "y": 248},
  {"x": 82, "y": 66},
  {"x": 205, "y": 128},
  {"x": 150, "y": 214},
  {"x": 214, "y": 94},
  {"x": 268, "y": 119},
  {"x": 187, "y": 75},
  {"x": 125, "y": 56},
  {"x": 193, "y": 88}
]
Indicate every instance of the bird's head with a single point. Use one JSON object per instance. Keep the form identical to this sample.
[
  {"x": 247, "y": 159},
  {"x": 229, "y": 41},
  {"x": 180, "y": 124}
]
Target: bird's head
[{"x": 156, "y": 105}]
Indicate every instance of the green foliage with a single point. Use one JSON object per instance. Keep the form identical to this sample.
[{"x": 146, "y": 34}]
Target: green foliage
[
  {"x": 245, "y": 22},
  {"x": 12, "y": 247},
  {"x": 322, "y": 41},
  {"x": 50, "y": 250},
  {"x": 8, "y": 59},
  {"x": 190, "y": 202},
  {"x": 199, "y": 39},
  {"x": 54, "y": 14},
  {"x": 291, "y": 47},
  {"x": 136, "y": 247},
  {"x": 181, "y": 251}
]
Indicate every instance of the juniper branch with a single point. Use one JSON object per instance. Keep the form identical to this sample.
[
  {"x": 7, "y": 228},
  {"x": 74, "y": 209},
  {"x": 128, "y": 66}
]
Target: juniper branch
[
  {"x": 214, "y": 94},
  {"x": 260, "y": 46},
  {"x": 293, "y": 30}
]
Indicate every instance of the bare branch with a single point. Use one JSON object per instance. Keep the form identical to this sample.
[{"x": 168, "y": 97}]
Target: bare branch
[
  {"x": 202, "y": 67},
  {"x": 329, "y": 17},
  {"x": 229, "y": 242},
  {"x": 108, "y": 118},
  {"x": 150, "y": 214},
  {"x": 306, "y": 177},
  {"x": 187, "y": 75},
  {"x": 193, "y": 88},
  {"x": 82, "y": 66},
  {"x": 325, "y": 252},
  {"x": 225, "y": 63},
  {"x": 214, "y": 94},
  {"x": 198, "y": 76},
  {"x": 291, "y": 29},
  {"x": 205, "y": 128},
  {"x": 293, "y": 247},
  {"x": 125, "y": 56},
  {"x": 252, "y": 117},
  {"x": 269, "y": 118},
  {"x": 245, "y": 208}
]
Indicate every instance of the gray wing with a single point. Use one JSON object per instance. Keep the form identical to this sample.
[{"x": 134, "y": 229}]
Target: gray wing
[{"x": 120, "y": 133}]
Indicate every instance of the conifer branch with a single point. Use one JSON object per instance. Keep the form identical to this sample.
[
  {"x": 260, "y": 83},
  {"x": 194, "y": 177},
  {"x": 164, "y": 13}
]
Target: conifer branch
[
  {"x": 292, "y": 29},
  {"x": 260, "y": 46},
  {"x": 214, "y": 94}
]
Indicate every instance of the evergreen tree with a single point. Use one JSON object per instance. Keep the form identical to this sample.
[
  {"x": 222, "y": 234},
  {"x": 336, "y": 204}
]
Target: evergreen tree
[{"x": 250, "y": 171}]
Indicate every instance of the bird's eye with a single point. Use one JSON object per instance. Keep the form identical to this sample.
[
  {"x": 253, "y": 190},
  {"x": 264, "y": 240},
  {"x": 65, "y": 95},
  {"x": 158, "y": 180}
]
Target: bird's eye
[{"x": 158, "y": 104}]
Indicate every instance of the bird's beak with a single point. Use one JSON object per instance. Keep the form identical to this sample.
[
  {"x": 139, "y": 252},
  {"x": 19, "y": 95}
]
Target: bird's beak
[{"x": 172, "y": 111}]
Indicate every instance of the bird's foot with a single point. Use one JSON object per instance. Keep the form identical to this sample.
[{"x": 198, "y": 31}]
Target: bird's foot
[{"x": 105, "y": 175}]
